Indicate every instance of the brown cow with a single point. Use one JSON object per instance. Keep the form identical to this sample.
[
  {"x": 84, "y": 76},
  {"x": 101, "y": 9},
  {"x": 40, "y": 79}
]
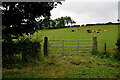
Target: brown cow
[
  {"x": 99, "y": 30},
  {"x": 90, "y": 31}
]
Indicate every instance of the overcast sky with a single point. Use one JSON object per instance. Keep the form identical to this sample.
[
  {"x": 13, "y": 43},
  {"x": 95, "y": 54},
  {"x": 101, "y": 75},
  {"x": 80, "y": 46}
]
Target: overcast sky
[{"x": 88, "y": 11}]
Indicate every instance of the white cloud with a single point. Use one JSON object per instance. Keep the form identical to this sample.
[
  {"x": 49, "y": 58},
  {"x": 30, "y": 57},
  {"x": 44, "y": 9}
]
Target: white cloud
[{"x": 87, "y": 12}]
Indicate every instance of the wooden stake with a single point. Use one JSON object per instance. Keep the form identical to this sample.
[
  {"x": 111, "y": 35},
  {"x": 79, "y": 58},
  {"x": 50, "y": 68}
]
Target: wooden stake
[
  {"x": 94, "y": 48},
  {"x": 46, "y": 46},
  {"x": 21, "y": 55}
]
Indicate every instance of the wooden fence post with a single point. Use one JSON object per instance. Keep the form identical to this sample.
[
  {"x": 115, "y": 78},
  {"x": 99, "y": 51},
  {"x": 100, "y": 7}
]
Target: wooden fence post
[
  {"x": 105, "y": 49},
  {"x": 94, "y": 47},
  {"x": 21, "y": 55},
  {"x": 46, "y": 46}
]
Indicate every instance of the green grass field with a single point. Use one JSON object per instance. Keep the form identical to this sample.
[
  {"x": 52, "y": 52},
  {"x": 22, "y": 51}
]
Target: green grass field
[
  {"x": 77, "y": 66},
  {"x": 109, "y": 37}
]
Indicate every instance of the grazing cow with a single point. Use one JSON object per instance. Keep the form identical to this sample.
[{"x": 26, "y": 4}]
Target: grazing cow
[
  {"x": 104, "y": 30},
  {"x": 90, "y": 31},
  {"x": 99, "y": 30},
  {"x": 72, "y": 30}
]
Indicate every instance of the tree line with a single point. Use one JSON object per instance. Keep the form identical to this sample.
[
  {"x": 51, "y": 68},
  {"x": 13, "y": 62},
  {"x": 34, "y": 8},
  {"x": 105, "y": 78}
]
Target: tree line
[{"x": 56, "y": 23}]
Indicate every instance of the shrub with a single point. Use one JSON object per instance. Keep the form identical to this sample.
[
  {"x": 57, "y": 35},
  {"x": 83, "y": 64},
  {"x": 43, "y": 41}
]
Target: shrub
[
  {"x": 8, "y": 51},
  {"x": 117, "y": 56},
  {"x": 30, "y": 48},
  {"x": 95, "y": 52},
  {"x": 8, "y": 63},
  {"x": 118, "y": 44}
]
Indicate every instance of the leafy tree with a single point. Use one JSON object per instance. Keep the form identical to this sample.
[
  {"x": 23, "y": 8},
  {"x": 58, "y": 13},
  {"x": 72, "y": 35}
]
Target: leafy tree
[
  {"x": 46, "y": 22},
  {"x": 69, "y": 20},
  {"x": 52, "y": 23},
  {"x": 20, "y": 18},
  {"x": 61, "y": 22}
]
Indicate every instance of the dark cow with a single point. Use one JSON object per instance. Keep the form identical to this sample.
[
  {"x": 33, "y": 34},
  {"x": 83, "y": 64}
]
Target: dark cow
[
  {"x": 98, "y": 32},
  {"x": 72, "y": 30},
  {"x": 88, "y": 31}
]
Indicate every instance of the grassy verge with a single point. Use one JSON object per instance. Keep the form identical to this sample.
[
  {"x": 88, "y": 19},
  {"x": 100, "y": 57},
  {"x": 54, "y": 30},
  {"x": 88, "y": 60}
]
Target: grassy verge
[{"x": 59, "y": 66}]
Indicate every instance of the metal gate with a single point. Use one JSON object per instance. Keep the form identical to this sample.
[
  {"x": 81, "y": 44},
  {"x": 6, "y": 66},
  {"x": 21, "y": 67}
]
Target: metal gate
[{"x": 70, "y": 46}]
